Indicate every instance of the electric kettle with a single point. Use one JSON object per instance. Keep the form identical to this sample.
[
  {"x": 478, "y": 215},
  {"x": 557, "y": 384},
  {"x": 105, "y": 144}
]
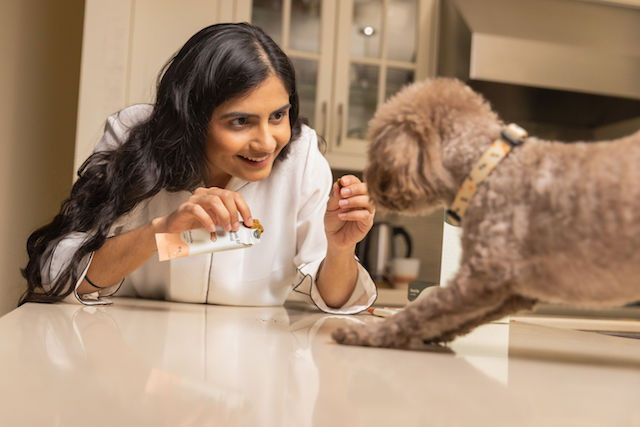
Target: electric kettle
[{"x": 379, "y": 247}]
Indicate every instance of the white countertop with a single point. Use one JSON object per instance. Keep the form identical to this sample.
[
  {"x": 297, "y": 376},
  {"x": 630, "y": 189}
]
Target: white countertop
[{"x": 141, "y": 362}]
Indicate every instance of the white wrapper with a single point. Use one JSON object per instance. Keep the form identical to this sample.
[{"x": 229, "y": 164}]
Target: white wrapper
[{"x": 199, "y": 241}]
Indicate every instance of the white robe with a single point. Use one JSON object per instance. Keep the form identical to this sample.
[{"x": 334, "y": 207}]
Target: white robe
[{"x": 290, "y": 204}]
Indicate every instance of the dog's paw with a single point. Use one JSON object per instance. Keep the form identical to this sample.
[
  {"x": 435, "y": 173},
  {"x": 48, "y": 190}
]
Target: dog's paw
[
  {"x": 351, "y": 335},
  {"x": 381, "y": 335}
]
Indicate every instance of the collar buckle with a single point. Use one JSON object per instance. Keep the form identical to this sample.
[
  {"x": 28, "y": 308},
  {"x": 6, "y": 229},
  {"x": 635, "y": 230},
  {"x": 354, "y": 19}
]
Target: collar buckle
[{"x": 514, "y": 134}]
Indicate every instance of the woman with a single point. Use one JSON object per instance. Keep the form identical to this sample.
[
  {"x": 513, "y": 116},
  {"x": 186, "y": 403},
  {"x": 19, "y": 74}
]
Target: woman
[{"x": 223, "y": 139}]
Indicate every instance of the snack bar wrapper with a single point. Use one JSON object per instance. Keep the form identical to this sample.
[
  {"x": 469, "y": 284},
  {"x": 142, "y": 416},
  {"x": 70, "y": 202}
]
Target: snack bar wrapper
[{"x": 200, "y": 241}]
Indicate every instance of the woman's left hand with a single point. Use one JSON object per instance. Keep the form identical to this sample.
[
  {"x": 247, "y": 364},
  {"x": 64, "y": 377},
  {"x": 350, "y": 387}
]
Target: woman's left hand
[{"x": 349, "y": 214}]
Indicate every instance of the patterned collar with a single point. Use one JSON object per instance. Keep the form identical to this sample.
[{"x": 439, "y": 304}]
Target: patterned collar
[{"x": 511, "y": 136}]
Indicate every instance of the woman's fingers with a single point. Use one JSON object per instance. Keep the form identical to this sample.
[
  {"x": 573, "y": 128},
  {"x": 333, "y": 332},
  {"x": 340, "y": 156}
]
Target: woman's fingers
[
  {"x": 350, "y": 213},
  {"x": 352, "y": 196},
  {"x": 361, "y": 215},
  {"x": 356, "y": 202},
  {"x": 197, "y": 212},
  {"x": 235, "y": 203},
  {"x": 351, "y": 186},
  {"x": 222, "y": 207},
  {"x": 223, "y": 214},
  {"x": 243, "y": 208}
]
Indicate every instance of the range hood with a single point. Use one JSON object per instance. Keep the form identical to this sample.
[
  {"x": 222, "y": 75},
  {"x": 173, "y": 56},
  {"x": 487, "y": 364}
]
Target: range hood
[{"x": 570, "y": 62}]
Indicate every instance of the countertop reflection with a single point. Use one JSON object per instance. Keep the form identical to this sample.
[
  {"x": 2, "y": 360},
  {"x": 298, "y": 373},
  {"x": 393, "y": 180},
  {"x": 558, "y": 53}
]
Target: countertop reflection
[{"x": 141, "y": 362}]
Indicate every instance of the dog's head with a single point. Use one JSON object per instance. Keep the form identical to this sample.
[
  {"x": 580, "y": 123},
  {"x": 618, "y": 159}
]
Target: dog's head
[{"x": 411, "y": 136}]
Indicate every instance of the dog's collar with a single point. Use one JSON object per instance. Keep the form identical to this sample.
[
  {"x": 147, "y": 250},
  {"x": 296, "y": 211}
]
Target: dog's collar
[{"x": 510, "y": 137}]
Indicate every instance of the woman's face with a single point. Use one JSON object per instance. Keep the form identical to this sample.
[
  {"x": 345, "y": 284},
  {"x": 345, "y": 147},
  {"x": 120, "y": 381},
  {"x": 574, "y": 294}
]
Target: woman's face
[{"x": 247, "y": 133}]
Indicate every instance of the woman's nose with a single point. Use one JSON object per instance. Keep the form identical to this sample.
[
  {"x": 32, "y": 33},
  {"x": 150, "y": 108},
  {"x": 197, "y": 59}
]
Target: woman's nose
[{"x": 265, "y": 140}]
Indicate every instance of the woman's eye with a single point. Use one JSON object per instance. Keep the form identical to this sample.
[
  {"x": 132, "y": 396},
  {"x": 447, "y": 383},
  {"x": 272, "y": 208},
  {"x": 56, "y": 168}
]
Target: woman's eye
[
  {"x": 239, "y": 121},
  {"x": 279, "y": 115}
]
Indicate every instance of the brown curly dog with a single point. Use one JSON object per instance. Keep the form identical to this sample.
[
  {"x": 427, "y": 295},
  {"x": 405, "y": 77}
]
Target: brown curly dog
[{"x": 553, "y": 222}]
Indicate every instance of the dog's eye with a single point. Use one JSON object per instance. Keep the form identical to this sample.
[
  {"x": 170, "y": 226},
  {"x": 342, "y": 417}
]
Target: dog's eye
[{"x": 384, "y": 183}]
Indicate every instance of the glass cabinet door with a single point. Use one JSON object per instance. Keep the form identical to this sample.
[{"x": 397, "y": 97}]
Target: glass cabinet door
[
  {"x": 378, "y": 53},
  {"x": 350, "y": 56},
  {"x": 304, "y": 30}
]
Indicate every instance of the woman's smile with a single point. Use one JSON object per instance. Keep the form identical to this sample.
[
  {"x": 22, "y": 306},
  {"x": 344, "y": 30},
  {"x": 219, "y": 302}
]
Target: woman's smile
[{"x": 256, "y": 161}]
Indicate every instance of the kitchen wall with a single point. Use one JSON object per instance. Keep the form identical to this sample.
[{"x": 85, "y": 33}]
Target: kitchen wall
[
  {"x": 40, "y": 43},
  {"x": 426, "y": 238}
]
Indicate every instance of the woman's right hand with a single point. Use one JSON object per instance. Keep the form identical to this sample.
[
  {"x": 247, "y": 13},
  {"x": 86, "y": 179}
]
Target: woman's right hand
[{"x": 206, "y": 208}]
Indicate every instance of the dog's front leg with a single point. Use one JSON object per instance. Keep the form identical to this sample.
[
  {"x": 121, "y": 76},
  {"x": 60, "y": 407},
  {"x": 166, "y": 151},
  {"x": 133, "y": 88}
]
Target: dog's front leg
[
  {"x": 442, "y": 313},
  {"x": 512, "y": 304}
]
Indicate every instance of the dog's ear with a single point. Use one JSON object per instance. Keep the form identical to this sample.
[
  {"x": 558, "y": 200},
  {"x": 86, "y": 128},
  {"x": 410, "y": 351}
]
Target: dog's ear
[{"x": 405, "y": 170}]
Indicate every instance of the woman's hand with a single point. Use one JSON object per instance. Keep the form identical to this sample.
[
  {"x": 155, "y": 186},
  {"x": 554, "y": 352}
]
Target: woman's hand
[
  {"x": 123, "y": 254},
  {"x": 349, "y": 214},
  {"x": 206, "y": 208}
]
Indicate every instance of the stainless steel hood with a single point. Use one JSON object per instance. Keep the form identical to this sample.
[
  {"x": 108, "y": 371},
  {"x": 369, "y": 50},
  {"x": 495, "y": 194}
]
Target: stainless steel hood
[{"x": 574, "y": 62}]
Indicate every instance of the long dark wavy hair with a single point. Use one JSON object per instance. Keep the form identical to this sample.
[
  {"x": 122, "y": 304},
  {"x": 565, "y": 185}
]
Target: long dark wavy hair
[{"x": 166, "y": 151}]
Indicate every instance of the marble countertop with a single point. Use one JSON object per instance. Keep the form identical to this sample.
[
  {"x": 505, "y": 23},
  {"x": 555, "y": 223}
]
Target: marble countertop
[{"x": 141, "y": 362}]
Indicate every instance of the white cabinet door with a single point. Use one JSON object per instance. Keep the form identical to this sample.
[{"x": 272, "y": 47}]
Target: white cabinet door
[
  {"x": 382, "y": 45},
  {"x": 125, "y": 44},
  {"x": 304, "y": 30}
]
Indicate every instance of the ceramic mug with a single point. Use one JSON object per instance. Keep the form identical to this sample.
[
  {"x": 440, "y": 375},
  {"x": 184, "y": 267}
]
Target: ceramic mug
[{"x": 402, "y": 271}]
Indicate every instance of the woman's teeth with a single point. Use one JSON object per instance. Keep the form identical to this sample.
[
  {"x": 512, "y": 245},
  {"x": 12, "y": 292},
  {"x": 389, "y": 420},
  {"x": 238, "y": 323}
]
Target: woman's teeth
[{"x": 256, "y": 159}]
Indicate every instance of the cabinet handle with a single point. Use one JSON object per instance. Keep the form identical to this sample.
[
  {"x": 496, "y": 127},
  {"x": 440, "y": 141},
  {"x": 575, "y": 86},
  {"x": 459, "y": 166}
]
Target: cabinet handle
[
  {"x": 323, "y": 111},
  {"x": 339, "y": 140}
]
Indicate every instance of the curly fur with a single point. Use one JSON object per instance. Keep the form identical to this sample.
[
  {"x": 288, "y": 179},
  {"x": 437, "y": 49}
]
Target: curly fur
[{"x": 554, "y": 222}]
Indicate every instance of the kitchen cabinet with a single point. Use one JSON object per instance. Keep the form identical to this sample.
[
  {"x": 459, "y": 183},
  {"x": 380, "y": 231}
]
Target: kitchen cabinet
[
  {"x": 125, "y": 45},
  {"x": 350, "y": 56}
]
